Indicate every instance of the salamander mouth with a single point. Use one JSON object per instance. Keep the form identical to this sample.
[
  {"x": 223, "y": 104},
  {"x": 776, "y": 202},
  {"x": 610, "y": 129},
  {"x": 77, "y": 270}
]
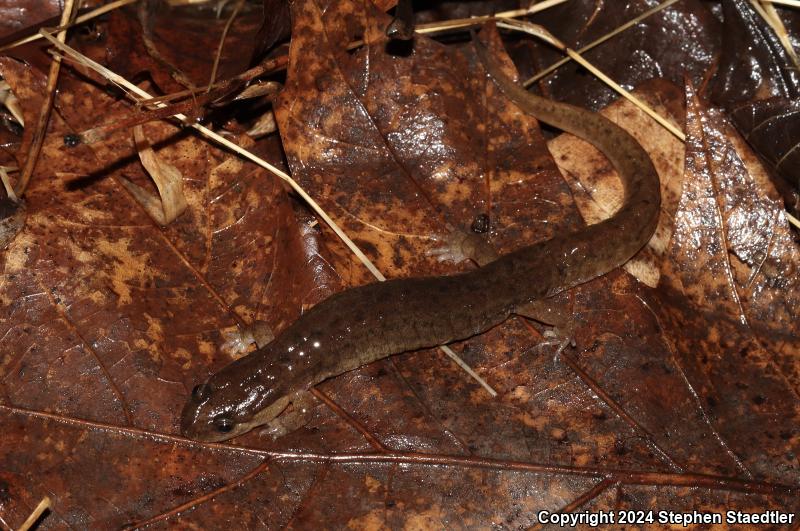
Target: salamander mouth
[
  {"x": 196, "y": 426},
  {"x": 199, "y": 427}
]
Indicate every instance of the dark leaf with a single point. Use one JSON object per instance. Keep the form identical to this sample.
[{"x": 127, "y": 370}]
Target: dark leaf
[
  {"x": 681, "y": 392},
  {"x": 176, "y": 46},
  {"x": 275, "y": 27},
  {"x": 753, "y": 63},
  {"x": 16, "y": 15},
  {"x": 20, "y": 18},
  {"x": 772, "y": 126},
  {"x": 635, "y": 55}
]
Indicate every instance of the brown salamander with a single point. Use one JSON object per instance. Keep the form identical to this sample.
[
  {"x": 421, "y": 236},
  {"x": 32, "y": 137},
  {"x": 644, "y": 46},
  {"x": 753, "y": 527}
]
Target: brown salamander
[{"x": 360, "y": 325}]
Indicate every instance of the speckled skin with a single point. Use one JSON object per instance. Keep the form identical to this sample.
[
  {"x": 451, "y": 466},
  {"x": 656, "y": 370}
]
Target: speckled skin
[{"x": 367, "y": 323}]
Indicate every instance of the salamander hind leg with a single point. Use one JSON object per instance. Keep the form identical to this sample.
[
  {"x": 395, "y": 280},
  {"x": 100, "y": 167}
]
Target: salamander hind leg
[{"x": 555, "y": 313}]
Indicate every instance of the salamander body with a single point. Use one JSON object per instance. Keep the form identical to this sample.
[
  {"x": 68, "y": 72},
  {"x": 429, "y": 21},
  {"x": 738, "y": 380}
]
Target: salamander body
[{"x": 358, "y": 326}]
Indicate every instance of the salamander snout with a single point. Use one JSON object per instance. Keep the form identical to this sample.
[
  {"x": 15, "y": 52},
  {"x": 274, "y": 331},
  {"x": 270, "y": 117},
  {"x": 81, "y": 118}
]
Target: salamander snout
[
  {"x": 241, "y": 396},
  {"x": 208, "y": 417}
]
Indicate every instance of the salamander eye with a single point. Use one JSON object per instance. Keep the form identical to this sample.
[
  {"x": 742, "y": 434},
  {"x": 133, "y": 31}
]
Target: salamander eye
[
  {"x": 223, "y": 424},
  {"x": 201, "y": 392}
]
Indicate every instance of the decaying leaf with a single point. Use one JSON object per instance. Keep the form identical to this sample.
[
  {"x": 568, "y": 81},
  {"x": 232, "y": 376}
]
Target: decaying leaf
[
  {"x": 760, "y": 92},
  {"x": 263, "y": 126},
  {"x": 681, "y": 392},
  {"x": 275, "y": 26},
  {"x": 106, "y": 314},
  {"x": 730, "y": 283},
  {"x": 12, "y": 219},
  {"x": 416, "y": 158},
  {"x": 168, "y": 180}
]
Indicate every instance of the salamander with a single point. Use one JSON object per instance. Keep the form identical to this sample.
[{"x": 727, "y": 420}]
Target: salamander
[{"x": 360, "y": 325}]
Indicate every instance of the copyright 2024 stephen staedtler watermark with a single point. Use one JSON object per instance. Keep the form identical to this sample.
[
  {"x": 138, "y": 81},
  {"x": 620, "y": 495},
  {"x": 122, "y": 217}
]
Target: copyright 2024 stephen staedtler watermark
[{"x": 636, "y": 518}]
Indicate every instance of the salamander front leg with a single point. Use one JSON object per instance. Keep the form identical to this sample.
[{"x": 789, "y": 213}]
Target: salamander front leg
[
  {"x": 293, "y": 417},
  {"x": 460, "y": 246},
  {"x": 241, "y": 340}
]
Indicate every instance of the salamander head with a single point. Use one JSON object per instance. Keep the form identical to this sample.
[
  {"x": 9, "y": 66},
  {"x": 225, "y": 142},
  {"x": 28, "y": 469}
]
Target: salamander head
[{"x": 233, "y": 401}]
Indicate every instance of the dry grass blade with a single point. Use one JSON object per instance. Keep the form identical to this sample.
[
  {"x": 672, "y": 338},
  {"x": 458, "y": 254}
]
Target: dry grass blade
[
  {"x": 130, "y": 89},
  {"x": 37, "y": 512},
  {"x": 770, "y": 15},
  {"x": 542, "y": 33},
  {"x": 466, "y": 368},
  {"x": 458, "y": 23},
  {"x": 78, "y": 20},
  {"x": 791, "y": 3}
]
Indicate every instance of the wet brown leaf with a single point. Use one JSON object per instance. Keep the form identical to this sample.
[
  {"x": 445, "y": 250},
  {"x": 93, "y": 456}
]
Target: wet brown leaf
[
  {"x": 19, "y": 18},
  {"x": 771, "y": 126},
  {"x": 109, "y": 318},
  {"x": 414, "y": 160},
  {"x": 768, "y": 70},
  {"x": 18, "y": 14},
  {"x": 180, "y": 46},
  {"x": 730, "y": 286},
  {"x": 275, "y": 26},
  {"x": 679, "y": 397},
  {"x": 760, "y": 92},
  {"x": 634, "y": 56}
]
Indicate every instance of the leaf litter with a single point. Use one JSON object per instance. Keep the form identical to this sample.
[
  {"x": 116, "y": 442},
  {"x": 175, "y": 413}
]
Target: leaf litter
[{"x": 678, "y": 396}]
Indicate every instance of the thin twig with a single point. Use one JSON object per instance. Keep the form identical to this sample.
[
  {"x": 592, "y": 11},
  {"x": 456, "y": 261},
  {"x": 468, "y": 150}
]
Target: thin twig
[
  {"x": 222, "y": 37},
  {"x": 166, "y": 110},
  {"x": 131, "y": 90},
  {"x": 44, "y": 115},
  {"x": 540, "y": 32}
]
